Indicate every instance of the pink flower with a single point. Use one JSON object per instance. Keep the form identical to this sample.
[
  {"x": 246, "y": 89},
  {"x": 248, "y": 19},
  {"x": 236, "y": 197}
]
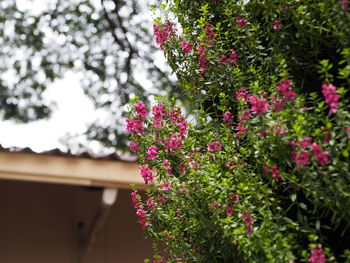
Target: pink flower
[
  {"x": 322, "y": 157},
  {"x": 167, "y": 165},
  {"x": 344, "y": 5},
  {"x": 209, "y": 31},
  {"x": 163, "y": 33},
  {"x": 242, "y": 93},
  {"x": 133, "y": 147},
  {"x": 300, "y": 157},
  {"x": 162, "y": 199},
  {"x": 147, "y": 174},
  {"x": 228, "y": 118},
  {"x": 203, "y": 63},
  {"x": 278, "y": 105},
  {"x": 229, "y": 211},
  {"x": 259, "y": 105},
  {"x": 175, "y": 116},
  {"x": 305, "y": 142},
  {"x": 141, "y": 214},
  {"x": 214, "y": 146},
  {"x": 186, "y": 46},
  {"x": 135, "y": 198},
  {"x": 201, "y": 50},
  {"x": 233, "y": 58},
  {"x": 134, "y": 126},
  {"x": 274, "y": 171},
  {"x": 183, "y": 127},
  {"x": 166, "y": 186},
  {"x": 150, "y": 203},
  {"x": 276, "y": 24},
  {"x": 327, "y": 138},
  {"x": 235, "y": 198},
  {"x": 248, "y": 221},
  {"x": 223, "y": 59},
  {"x": 141, "y": 109},
  {"x": 230, "y": 164},
  {"x": 152, "y": 152},
  {"x": 284, "y": 88},
  {"x": 241, "y": 21},
  {"x": 175, "y": 142},
  {"x": 317, "y": 256},
  {"x": 159, "y": 111},
  {"x": 241, "y": 130},
  {"x": 330, "y": 93},
  {"x": 245, "y": 115}
]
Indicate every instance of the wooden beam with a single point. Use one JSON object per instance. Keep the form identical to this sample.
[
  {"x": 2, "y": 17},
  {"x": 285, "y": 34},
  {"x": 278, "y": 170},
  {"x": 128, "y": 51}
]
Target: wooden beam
[{"x": 69, "y": 170}]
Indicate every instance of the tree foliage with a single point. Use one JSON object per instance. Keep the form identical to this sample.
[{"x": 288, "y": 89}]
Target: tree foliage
[
  {"x": 260, "y": 173},
  {"x": 108, "y": 41}
]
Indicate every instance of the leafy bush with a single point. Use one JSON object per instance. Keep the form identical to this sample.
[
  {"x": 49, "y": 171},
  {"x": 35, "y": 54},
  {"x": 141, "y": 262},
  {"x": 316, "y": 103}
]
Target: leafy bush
[{"x": 260, "y": 171}]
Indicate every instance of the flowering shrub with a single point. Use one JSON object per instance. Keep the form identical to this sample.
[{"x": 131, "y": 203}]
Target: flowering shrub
[{"x": 262, "y": 173}]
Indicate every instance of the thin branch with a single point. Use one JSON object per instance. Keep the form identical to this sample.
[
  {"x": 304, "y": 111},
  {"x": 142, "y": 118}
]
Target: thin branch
[{"x": 113, "y": 27}]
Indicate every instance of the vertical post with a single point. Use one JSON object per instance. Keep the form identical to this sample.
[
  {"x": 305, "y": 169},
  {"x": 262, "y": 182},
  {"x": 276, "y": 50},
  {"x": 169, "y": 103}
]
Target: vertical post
[{"x": 109, "y": 196}]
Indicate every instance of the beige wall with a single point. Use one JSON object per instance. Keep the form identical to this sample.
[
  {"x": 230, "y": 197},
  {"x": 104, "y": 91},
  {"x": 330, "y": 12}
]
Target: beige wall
[{"x": 46, "y": 223}]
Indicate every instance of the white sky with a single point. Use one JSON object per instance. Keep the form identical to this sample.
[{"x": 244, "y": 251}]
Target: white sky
[{"x": 74, "y": 110}]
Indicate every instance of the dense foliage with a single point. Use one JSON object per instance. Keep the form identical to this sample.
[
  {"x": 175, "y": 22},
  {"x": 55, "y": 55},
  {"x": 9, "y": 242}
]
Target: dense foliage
[{"x": 260, "y": 173}]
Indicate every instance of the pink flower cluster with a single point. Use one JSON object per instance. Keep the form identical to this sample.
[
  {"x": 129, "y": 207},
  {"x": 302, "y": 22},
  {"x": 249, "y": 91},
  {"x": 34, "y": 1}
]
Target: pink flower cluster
[
  {"x": 214, "y": 146},
  {"x": 259, "y": 105},
  {"x": 152, "y": 152},
  {"x": 242, "y": 93},
  {"x": 147, "y": 174},
  {"x": 134, "y": 126},
  {"x": 201, "y": 50},
  {"x": 322, "y": 157},
  {"x": 301, "y": 158},
  {"x": 166, "y": 186},
  {"x": 140, "y": 108},
  {"x": 286, "y": 93},
  {"x": 175, "y": 142},
  {"x": 159, "y": 112},
  {"x": 232, "y": 59},
  {"x": 330, "y": 93},
  {"x": 344, "y": 5},
  {"x": 245, "y": 115},
  {"x": 228, "y": 118},
  {"x": 168, "y": 166},
  {"x": 179, "y": 121},
  {"x": 317, "y": 256},
  {"x": 163, "y": 33},
  {"x": 186, "y": 46},
  {"x": 209, "y": 31},
  {"x": 248, "y": 220},
  {"x": 276, "y": 24},
  {"x": 203, "y": 63},
  {"x": 133, "y": 147},
  {"x": 284, "y": 88},
  {"x": 140, "y": 212},
  {"x": 274, "y": 171},
  {"x": 241, "y": 21}
]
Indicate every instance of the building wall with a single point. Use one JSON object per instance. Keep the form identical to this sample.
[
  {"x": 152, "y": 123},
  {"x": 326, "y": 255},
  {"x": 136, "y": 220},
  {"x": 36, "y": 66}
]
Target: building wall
[{"x": 47, "y": 223}]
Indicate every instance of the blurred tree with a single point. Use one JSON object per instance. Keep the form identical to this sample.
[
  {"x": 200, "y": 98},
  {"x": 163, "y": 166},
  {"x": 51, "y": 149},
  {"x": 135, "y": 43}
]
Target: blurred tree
[{"x": 109, "y": 41}]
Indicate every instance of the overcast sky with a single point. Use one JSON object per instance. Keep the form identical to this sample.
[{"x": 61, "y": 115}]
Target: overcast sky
[{"x": 74, "y": 110}]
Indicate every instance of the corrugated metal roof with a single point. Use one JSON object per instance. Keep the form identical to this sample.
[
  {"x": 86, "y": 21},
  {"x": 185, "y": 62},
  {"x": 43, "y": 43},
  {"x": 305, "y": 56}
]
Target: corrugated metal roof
[{"x": 58, "y": 152}]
